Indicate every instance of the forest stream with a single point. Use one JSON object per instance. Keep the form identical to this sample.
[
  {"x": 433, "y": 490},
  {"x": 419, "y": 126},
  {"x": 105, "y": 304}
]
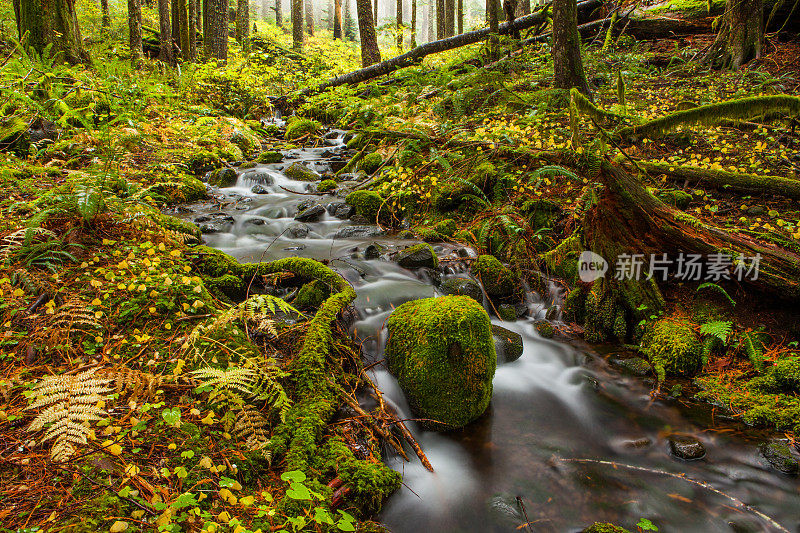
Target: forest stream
[{"x": 567, "y": 439}]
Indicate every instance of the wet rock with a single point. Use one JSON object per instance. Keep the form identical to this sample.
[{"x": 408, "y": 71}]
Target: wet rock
[
  {"x": 341, "y": 210},
  {"x": 462, "y": 252},
  {"x": 545, "y": 329},
  {"x": 201, "y": 219},
  {"x": 357, "y": 232},
  {"x": 505, "y": 511},
  {"x": 633, "y": 365},
  {"x": 258, "y": 189},
  {"x": 430, "y": 275},
  {"x": 297, "y": 231},
  {"x": 686, "y": 447},
  {"x": 358, "y": 219},
  {"x": 418, "y": 256},
  {"x": 757, "y": 210},
  {"x": 463, "y": 287},
  {"x": 270, "y": 157},
  {"x": 223, "y": 177},
  {"x": 310, "y": 214},
  {"x": 261, "y": 178},
  {"x": 299, "y": 171},
  {"x": 553, "y": 312},
  {"x": 497, "y": 279},
  {"x": 507, "y": 343},
  {"x": 373, "y": 251},
  {"x": 779, "y": 456},
  {"x": 210, "y": 228},
  {"x": 644, "y": 442}
]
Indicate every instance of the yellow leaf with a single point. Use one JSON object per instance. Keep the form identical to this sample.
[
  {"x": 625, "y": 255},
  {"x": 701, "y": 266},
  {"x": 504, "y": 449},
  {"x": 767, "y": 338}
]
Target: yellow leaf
[{"x": 118, "y": 527}]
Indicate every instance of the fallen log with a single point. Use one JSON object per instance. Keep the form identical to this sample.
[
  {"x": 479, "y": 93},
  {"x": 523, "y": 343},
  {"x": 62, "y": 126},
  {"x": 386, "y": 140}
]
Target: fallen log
[
  {"x": 413, "y": 56},
  {"x": 665, "y": 27}
]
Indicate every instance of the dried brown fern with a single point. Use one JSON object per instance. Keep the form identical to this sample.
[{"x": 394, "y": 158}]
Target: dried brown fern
[
  {"x": 67, "y": 404},
  {"x": 249, "y": 428}
]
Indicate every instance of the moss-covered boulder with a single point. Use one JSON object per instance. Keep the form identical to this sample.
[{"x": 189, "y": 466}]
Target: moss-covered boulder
[
  {"x": 366, "y": 203},
  {"x": 675, "y": 198},
  {"x": 14, "y": 136},
  {"x": 311, "y": 295},
  {"x": 181, "y": 226},
  {"x": 462, "y": 287},
  {"x": 299, "y": 127},
  {"x": 201, "y": 161},
  {"x": 779, "y": 456},
  {"x": 604, "y": 527},
  {"x": 223, "y": 177},
  {"x": 417, "y": 256},
  {"x": 270, "y": 157},
  {"x": 446, "y": 227},
  {"x": 428, "y": 234},
  {"x": 442, "y": 352},
  {"x": 498, "y": 280},
  {"x": 326, "y": 186},
  {"x": 300, "y": 172},
  {"x": 545, "y": 329},
  {"x": 370, "y": 162},
  {"x": 508, "y": 344},
  {"x": 247, "y": 143},
  {"x": 673, "y": 347}
]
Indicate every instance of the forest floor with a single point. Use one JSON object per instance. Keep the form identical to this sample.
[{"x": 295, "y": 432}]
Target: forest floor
[{"x": 107, "y": 294}]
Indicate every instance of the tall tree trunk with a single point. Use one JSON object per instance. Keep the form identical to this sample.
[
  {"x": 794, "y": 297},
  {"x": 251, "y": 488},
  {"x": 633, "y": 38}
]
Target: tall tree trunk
[
  {"x": 165, "y": 35},
  {"x": 399, "y": 5},
  {"x": 105, "y": 21},
  {"x": 243, "y": 23},
  {"x": 330, "y": 15},
  {"x": 337, "y": 19},
  {"x": 216, "y": 38},
  {"x": 440, "y": 20},
  {"x": 366, "y": 27},
  {"x": 494, "y": 28},
  {"x": 206, "y": 30},
  {"x": 460, "y": 15},
  {"x": 198, "y": 13},
  {"x": 413, "y": 23},
  {"x": 524, "y": 8},
  {"x": 568, "y": 64},
  {"x": 309, "y": 6},
  {"x": 278, "y": 14},
  {"x": 450, "y": 18},
  {"x": 135, "y": 30},
  {"x": 510, "y": 9},
  {"x": 741, "y": 34},
  {"x": 349, "y": 30},
  {"x": 297, "y": 25},
  {"x": 51, "y": 22},
  {"x": 375, "y": 18},
  {"x": 191, "y": 52},
  {"x": 183, "y": 27}
]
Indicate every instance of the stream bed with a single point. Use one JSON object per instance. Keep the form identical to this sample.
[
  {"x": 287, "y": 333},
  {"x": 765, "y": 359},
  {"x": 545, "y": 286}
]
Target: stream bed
[{"x": 558, "y": 403}]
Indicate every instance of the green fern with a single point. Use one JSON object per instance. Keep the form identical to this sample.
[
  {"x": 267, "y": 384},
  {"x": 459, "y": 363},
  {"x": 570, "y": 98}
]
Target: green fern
[
  {"x": 719, "y": 290},
  {"x": 719, "y": 329},
  {"x": 753, "y": 348}
]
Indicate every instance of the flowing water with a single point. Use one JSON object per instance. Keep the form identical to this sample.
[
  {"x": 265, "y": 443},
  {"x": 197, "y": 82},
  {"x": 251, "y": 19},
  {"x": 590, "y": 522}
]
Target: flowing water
[{"x": 558, "y": 403}]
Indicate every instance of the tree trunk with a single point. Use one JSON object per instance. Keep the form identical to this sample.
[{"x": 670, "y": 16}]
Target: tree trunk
[
  {"x": 413, "y": 23},
  {"x": 567, "y": 61},
  {"x": 375, "y": 19},
  {"x": 243, "y": 23},
  {"x": 460, "y": 17},
  {"x": 494, "y": 28},
  {"x": 278, "y": 14},
  {"x": 741, "y": 34},
  {"x": 349, "y": 25},
  {"x": 165, "y": 35},
  {"x": 51, "y": 22},
  {"x": 105, "y": 21},
  {"x": 216, "y": 36},
  {"x": 309, "y": 7},
  {"x": 183, "y": 27},
  {"x": 337, "y": 19},
  {"x": 206, "y": 30},
  {"x": 369, "y": 40},
  {"x": 450, "y": 18},
  {"x": 191, "y": 52},
  {"x": 510, "y": 9},
  {"x": 297, "y": 25},
  {"x": 135, "y": 30},
  {"x": 441, "y": 31},
  {"x": 399, "y": 25}
]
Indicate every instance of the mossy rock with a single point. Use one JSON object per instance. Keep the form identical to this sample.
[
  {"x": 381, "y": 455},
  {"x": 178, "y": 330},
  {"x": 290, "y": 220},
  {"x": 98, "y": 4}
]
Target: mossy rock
[
  {"x": 673, "y": 347},
  {"x": 311, "y": 295},
  {"x": 417, "y": 256},
  {"x": 604, "y": 527},
  {"x": 371, "y": 162},
  {"x": 300, "y": 172},
  {"x": 545, "y": 329},
  {"x": 507, "y": 312},
  {"x": 446, "y": 227},
  {"x": 542, "y": 213},
  {"x": 247, "y": 143},
  {"x": 227, "y": 151},
  {"x": 228, "y": 288},
  {"x": 497, "y": 280},
  {"x": 428, "y": 234},
  {"x": 270, "y": 157},
  {"x": 201, "y": 161},
  {"x": 462, "y": 287},
  {"x": 215, "y": 263},
  {"x": 299, "y": 127},
  {"x": 442, "y": 352},
  {"x": 223, "y": 177},
  {"x": 778, "y": 454},
  {"x": 366, "y": 203},
  {"x": 180, "y": 226},
  {"x": 14, "y": 136},
  {"x": 358, "y": 142},
  {"x": 783, "y": 376},
  {"x": 509, "y": 344},
  {"x": 678, "y": 199},
  {"x": 326, "y": 185}
]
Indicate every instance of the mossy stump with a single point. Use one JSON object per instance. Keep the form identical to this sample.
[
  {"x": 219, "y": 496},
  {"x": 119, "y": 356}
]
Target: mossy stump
[{"x": 442, "y": 352}]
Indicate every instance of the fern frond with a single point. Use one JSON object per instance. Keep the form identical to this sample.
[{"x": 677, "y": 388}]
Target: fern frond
[
  {"x": 718, "y": 289},
  {"x": 249, "y": 428},
  {"x": 719, "y": 329},
  {"x": 68, "y": 403},
  {"x": 753, "y": 349}
]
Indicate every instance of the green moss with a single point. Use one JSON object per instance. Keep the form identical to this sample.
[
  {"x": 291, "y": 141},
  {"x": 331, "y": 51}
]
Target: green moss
[
  {"x": 299, "y": 127},
  {"x": 202, "y": 161},
  {"x": 223, "y": 177},
  {"x": 270, "y": 157},
  {"x": 371, "y": 162},
  {"x": 428, "y": 234},
  {"x": 326, "y": 185},
  {"x": 446, "y": 227},
  {"x": 497, "y": 279},
  {"x": 678, "y": 199},
  {"x": 783, "y": 376},
  {"x": 247, "y": 143},
  {"x": 228, "y": 288},
  {"x": 464, "y": 236},
  {"x": 417, "y": 256},
  {"x": 604, "y": 527},
  {"x": 179, "y": 225},
  {"x": 175, "y": 189},
  {"x": 545, "y": 329},
  {"x": 442, "y": 352},
  {"x": 673, "y": 347},
  {"x": 227, "y": 151},
  {"x": 14, "y": 136},
  {"x": 366, "y": 203},
  {"x": 507, "y": 312},
  {"x": 298, "y": 171},
  {"x": 311, "y": 295}
]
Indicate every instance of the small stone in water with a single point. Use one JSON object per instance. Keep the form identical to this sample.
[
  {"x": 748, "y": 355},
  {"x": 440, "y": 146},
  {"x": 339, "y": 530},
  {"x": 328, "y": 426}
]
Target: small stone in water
[
  {"x": 779, "y": 456},
  {"x": 686, "y": 447}
]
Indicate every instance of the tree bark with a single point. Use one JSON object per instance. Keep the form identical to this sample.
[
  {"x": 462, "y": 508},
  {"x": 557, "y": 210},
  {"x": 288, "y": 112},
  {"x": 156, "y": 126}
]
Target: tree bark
[
  {"x": 337, "y": 19},
  {"x": 216, "y": 34},
  {"x": 741, "y": 34},
  {"x": 413, "y": 23},
  {"x": 460, "y": 17},
  {"x": 297, "y": 25},
  {"x": 243, "y": 23},
  {"x": 183, "y": 27},
  {"x": 494, "y": 28},
  {"x": 191, "y": 52},
  {"x": 105, "y": 21},
  {"x": 450, "y": 18},
  {"x": 135, "y": 30},
  {"x": 51, "y": 22},
  {"x": 441, "y": 31},
  {"x": 568, "y": 64},
  {"x": 524, "y": 7},
  {"x": 349, "y": 25},
  {"x": 278, "y": 14},
  {"x": 309, "y": 7},
  {"x": 510, "y": 9},
  {"x": 370, "y": 54},
  {"x": 165, "y": 35},
  {"x": 375, "y": 18},
  {"x": 399, "y": 15}
]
